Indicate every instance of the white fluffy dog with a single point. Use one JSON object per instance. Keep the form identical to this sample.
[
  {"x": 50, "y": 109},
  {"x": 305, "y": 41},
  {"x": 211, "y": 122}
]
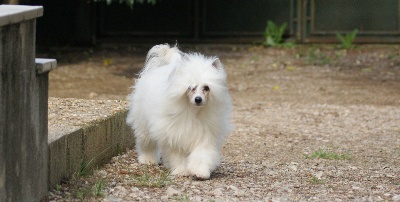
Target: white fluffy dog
[{"x": 180, "y": 108}]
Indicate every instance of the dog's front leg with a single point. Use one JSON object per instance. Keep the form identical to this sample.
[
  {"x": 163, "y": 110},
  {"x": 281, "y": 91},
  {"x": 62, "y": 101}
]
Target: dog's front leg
[
  {"x": 203, "y": 160},
  {"x": 147, "y": 150},
  {"x": 175, "y": 160}
]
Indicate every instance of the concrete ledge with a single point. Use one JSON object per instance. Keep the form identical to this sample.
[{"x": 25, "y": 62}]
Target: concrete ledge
[
  {"x": 11, "y": 14},
  {"x": 84, "y": 133},
  {"x": 44, "y": 65}
]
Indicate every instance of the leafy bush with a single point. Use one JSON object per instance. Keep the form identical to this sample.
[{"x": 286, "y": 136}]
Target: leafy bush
[
  {"x": 346, "y": 42},
  {"x": 274, "y": 35}
]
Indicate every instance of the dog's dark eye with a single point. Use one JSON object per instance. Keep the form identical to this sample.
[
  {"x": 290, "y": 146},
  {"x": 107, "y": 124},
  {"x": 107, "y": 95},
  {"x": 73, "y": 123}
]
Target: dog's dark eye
[{"x": 206, "y": 88}]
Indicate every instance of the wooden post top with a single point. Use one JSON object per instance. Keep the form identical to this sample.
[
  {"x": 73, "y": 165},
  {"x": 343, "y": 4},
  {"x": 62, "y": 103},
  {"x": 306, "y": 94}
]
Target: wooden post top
[{"x": 11, "y": 14}]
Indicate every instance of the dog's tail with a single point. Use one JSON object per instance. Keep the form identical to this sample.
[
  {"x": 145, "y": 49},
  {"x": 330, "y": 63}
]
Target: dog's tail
[{"x": 161, "y": 55}]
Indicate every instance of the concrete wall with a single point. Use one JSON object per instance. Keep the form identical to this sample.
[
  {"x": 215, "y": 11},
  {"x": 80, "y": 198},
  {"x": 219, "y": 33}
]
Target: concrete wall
[
  {"x": 91, "y": 144},
  {"x": 23, "y": 115}
]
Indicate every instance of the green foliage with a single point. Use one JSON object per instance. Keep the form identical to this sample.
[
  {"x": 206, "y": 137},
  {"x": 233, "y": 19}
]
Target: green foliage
[
  {"x": 346, "y": 42},
  {"x": 315, "y": 180},
  {"x": 84, "y": 168},
  {"x": 85, "y": 193},
  {"x": 147, "y": 179},
  {"x": 317, "y": 57},
  {"x": 58, "y": 187},
  {"x": 80, "y": 194},
  {"x": 98, "y": 188},
  {"x": 321, "y": 153},
  {"x": 274, "y": 35},
  {"x": 182, "y": 198},
  {"x": 119, "y": 150}
]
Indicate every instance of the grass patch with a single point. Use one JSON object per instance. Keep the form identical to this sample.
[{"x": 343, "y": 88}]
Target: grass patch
[
  {"x": 98, "y": 188},
  {"x": 86, "y": 191},
  {"x": 84, "y": 168},
  {"x": 150, "y": 178},
  {"x": 323, "y": 154},
  {"x": 317, "y": 57},
  {"x": 182, "y": 198},
  {"x": 315, "y": 180}
]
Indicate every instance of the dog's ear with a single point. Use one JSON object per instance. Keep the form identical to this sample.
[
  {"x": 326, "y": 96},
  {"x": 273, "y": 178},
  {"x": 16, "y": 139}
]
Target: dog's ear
[{"x": 217, "y": 64}]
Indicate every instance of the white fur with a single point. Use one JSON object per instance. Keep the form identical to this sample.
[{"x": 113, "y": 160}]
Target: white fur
[{"x": 168, "y": 121}]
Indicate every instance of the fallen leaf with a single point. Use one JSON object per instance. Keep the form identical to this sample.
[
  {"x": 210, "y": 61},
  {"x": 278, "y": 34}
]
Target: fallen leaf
[
  {"x": 291, "y": 68},
  {"x": 107, "y": 62},
  {"x": 368, "y": 69}
]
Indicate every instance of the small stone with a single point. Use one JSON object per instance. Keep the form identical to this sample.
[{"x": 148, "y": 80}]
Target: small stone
[
  {"x": 135, "y": 189},
  {"x": 319, "y": 174},
  {"x": 92, "y": 95},
  {"x": 172, "y": 192},
  {"x": 102, "y": 172},
  {"x": 293, "y": 167},
  {"x": 233, "y": 187},
  {"x": 197, "y": 199},
  {"x": 164, "y": 198},
  {"x": 353, "y": 167},
  {"x": 238, "y": 192},
  {"x": 113, "y": 199},
  {"x": 218, "y": 192},
  {"x": 396, "y": 198},
  {"x": 186, "y": 183}
]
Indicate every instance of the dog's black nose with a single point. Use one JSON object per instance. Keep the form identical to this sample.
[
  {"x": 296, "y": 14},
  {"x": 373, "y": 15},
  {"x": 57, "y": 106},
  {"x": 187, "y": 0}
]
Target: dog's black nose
[{"x": 198, "y": 100}]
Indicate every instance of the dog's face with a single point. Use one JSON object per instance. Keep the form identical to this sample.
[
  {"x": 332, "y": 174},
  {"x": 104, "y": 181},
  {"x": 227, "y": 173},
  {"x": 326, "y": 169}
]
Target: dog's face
[
  {"x": 201, "y": 80},
  {"x": 198, "y": 94}
]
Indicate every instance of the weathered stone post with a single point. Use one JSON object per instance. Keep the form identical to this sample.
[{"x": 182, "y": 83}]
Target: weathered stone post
[{"x": 23, "y": 109}]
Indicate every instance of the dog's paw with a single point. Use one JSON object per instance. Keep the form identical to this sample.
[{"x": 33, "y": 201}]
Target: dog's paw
[
  {"x": 149, "y": 160},
  {"x": 180, "y": 171},
  {"x": 201, "y": 173}
]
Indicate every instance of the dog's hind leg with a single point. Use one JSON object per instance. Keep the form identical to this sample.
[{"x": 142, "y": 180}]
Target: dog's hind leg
[{"x": 147, "y": 150}]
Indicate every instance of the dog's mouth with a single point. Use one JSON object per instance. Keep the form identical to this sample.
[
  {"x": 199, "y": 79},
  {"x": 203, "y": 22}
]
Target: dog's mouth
[{"x": 199, "y": 104}]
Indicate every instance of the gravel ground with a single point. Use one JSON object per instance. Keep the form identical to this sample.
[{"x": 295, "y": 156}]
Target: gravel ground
[{"x": 312, "y": 123}]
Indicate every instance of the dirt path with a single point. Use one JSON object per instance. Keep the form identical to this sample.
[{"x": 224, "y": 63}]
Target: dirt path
[{"x": 311, "y": 123}]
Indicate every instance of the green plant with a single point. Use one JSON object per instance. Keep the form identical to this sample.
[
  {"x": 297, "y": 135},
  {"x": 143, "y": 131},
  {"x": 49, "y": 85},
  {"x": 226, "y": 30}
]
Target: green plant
[
  {"x": 317, "y": 57},
  {"x": 98, "y": 187},
  {"x": 346, "y": 42},
  {"x": 119, "y": 150},
  {"x": 80, "y": 194},
  {"x": 274, "y": 35},
  {"x": 315, "y": 180},
  {"x": 58, "y": 187},
  {"x": 147, "y": 179},
  {"x": 84, "y": 168},
  {"x": 181, "y": 198},
  {"x": 321, "y": 153}
]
